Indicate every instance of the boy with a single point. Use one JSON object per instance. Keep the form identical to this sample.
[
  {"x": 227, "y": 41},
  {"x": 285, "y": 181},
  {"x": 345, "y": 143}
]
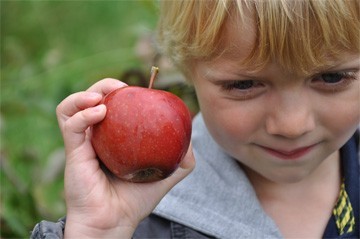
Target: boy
[{"x": 276, "y": 142}]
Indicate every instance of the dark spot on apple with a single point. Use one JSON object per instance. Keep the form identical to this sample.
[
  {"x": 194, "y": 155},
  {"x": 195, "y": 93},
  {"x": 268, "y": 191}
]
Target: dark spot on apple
[{"x": 146, "y": 175}]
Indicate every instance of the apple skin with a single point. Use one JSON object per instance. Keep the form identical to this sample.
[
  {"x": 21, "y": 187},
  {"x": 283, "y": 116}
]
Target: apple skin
[{"x": 144, "y": 135}]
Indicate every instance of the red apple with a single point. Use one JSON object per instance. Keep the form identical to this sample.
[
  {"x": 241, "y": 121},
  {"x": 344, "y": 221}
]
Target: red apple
[{"x": 144, "y": 135}]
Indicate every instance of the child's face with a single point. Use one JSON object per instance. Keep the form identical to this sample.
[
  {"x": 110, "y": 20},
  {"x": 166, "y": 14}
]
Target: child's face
[{"x": 280, "y": 125}]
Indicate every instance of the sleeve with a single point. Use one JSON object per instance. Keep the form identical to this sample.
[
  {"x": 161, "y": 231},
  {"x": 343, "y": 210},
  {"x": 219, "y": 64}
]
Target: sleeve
[
  {"x": 49, "y": 230},
  {"x": 151, "y": 227},
  {"x": 157, "y": 227}
]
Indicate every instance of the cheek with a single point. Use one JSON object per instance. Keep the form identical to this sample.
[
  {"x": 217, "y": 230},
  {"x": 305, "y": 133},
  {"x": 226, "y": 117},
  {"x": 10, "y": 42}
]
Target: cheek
[
  {"x": 229, "y": 122},
  {"x": 341, "y": 116}
]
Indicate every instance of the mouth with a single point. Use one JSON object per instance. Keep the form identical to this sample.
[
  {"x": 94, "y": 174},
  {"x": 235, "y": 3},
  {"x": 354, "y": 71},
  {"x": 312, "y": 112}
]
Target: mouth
[{"x": 289, "y": 154}]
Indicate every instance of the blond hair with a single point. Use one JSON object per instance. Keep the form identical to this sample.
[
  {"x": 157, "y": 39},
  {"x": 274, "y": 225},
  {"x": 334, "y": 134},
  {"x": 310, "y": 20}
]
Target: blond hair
[{"x": 298, "y": 34}]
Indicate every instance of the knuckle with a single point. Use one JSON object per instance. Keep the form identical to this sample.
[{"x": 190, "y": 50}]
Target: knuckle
[
  {"x": 71, "y": 126},
  {"x": 66, "y": 127},
  {"x": 78, "y": 122},
  {"x": 59, "y": 110}
]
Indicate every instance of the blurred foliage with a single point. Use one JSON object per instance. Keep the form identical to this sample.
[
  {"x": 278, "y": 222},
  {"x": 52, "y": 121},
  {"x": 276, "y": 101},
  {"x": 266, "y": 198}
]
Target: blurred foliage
[{"x": 50, "y": 49}]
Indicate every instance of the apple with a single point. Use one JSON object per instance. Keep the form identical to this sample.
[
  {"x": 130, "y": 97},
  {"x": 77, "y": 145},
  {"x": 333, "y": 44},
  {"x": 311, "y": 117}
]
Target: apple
[{"x": 145, "y": 133}]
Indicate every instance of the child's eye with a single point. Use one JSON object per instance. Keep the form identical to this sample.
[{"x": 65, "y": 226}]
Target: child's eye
[
  {"x": 241, "y": 85},
  {"x": 242, "y": 89},
  {"x": 334, "y": 81},
  {"x": 333, "y": 78}
]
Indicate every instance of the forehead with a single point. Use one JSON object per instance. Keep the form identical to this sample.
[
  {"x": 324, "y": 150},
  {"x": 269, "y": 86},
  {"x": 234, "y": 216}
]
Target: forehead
[{"x": 239, "y": 36}]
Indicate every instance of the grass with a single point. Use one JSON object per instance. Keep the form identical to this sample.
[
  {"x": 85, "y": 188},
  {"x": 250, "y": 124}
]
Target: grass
[{"x": 50, "y": 49}]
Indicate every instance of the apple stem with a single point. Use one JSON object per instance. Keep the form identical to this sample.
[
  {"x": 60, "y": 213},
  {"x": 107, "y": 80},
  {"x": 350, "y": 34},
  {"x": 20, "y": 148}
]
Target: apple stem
[{"x": 154, "y": 72}]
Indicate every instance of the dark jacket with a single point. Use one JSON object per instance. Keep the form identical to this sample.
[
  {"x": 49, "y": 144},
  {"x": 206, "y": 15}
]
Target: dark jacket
[{"x": 151, "y": 227}]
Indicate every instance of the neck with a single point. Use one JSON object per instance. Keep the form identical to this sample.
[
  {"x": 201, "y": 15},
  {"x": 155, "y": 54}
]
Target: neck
[{"x": 312, "y": 199}]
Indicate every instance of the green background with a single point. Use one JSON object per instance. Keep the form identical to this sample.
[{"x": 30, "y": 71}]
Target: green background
[{"x": 50, "y": 49}]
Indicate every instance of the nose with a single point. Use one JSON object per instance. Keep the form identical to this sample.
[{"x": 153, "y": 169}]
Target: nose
[{"x": 290, "y": 116}]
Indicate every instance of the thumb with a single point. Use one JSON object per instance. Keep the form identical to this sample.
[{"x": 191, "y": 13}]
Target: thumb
[
  {"x": 187, "y": 164},
  {"x": 185, "y": 168},
  {"x": 152, "y": 193}
]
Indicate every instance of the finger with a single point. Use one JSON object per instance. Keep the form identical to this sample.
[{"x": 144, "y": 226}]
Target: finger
[
  {"x": 105, "y": 86},
  {"x": 75, "y": 103},
  {"x": 75, "y": 127},
  {"x": 189, "y": 160}
]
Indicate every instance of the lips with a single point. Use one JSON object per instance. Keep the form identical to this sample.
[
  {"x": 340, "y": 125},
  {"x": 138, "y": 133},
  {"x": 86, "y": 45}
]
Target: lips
[{"x": 289, "y": 154}]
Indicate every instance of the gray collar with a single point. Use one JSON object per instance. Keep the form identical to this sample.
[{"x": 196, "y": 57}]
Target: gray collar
[{"x": 216, "y": 198}]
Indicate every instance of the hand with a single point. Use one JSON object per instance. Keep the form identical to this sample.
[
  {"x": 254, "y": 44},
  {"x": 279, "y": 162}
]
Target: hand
[{"x": 98, "y": 204}]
